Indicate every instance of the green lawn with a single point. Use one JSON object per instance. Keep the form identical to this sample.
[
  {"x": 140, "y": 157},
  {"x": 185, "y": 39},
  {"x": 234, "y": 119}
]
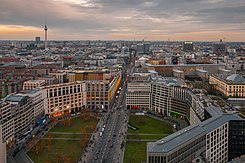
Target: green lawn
[
  {"x": 62, "y": 149},
  {"x": 149, "y": 125},
  {"x": 77, "y": 124},
  {"x": 135, "y": 151},
  {"x": 63, "y": 136},
  {"x": 59, "y": 149}
]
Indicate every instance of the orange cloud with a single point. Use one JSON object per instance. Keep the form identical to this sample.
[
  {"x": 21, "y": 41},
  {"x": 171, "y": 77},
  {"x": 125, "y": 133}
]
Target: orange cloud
[
  {"x": 13, "y": 32},
  {"x": 19, "y": 32}
]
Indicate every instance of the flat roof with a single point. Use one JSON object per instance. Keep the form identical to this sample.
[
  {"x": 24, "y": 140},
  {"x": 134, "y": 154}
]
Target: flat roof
[
  {"x": 178, "y": 71},
  {"x": 201, "y": 70},
  {"x": 185, "y": 65},
  {"x": 32, "y": 91},
  {"x": 189, "y": 133},
  {"x": 15, "y": 98},
  {"x": 34, "y": 81},
  {"x": 236, "y": 99}
]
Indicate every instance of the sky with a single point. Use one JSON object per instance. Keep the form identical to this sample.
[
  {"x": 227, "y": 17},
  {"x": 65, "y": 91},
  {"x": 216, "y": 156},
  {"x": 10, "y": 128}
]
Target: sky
[{"x": 182, "y": 20}]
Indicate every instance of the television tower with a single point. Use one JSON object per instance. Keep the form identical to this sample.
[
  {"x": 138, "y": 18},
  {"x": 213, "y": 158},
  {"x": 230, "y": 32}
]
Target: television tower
[{"x": 46, "y": 33}]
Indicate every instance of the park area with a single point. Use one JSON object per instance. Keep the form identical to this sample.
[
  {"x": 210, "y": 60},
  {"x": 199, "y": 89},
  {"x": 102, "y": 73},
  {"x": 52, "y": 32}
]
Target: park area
[
  {"x": 147, "y": 130},
  {"x": 64, "y": 142}
]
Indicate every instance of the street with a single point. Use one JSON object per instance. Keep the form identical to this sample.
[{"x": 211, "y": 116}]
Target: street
[{"x": 111, "y": 135}]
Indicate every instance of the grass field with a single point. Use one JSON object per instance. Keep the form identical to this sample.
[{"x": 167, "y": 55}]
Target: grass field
[
  {"x": 77, "y": 124},
  {"x": 149, "y": 125},
  {"x": 62, "y": 149},
  {"x": 135, "y": 151}
]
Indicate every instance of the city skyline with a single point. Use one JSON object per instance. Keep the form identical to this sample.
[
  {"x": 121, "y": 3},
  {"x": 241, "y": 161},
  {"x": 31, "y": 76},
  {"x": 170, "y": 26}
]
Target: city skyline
[{"x": 205, "y": 20}]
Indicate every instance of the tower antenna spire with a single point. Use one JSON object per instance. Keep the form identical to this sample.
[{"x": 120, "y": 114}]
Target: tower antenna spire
[{"x": 46, "y": 33}]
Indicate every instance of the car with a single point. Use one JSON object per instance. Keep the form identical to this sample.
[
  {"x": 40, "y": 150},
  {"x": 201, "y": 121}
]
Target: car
[
  {"x": 114, "y": 135},
  {"x": 109, "y": 140},
  {"x": 96, "y": 158},
  {"x": 111, "y": 146},
  {"x": 98, "y": 152},
  {"x": 101, "y": 134}
]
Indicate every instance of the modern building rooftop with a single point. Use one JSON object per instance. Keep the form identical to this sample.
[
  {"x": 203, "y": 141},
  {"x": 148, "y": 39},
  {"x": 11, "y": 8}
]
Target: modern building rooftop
[
  {"x": 15, "y": 98},
  {"x": 170, "y": 81},
  {"x": 235, "y": 78},
  {"x": 187, "y": 134},
  {"x": 238, "y": 160},
  {"x": 35, "y": 81},
  {"x": 33, "y": 91},
  {"x": 184, "y": 65}
]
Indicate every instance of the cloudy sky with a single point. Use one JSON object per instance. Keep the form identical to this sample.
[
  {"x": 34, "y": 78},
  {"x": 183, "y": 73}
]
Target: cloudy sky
[{"x": 193, "y": 20}]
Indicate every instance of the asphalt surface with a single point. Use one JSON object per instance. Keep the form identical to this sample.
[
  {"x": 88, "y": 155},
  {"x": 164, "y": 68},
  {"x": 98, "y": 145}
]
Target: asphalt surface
[{"x": 110, "y": 140}]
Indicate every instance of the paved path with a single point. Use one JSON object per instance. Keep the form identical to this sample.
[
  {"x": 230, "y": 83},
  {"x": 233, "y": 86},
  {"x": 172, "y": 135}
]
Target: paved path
[
  {"x": 146, "y": 134},
  {"x": 62, "y": 138},
  {"x": 143, "y": 140},
  {"x": 68, "y": 133},
  {"x": 22, "y": 157}
]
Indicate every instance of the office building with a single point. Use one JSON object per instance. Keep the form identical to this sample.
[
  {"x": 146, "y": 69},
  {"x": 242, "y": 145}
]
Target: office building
[
  {"x": 36, "y": 98},
  {"x": 212, "y": 134},
  {"x": 64, "y": 98},
  {"x": 3, "y": 151},
  {"x": 91, "y": 74},
  {"x": 188, "y": 69},
  {"x": 219, "y": 48},
  {"x": 143, "y": 48},
  {"x": 138, "y": 92},
  {"x": 229, "y": 86},
  {"x": 49, "y": 79},
  {"x": 236, "y": 142},
  {"x": 31, "y": 84},
  {"x": 7, "y": 121},
  {"x": 37, "y": 40},
  {"x": 22, "y": 115},
  {"x": 209, "y": 137},
  {"x": 207, "y": 141},
  {"x": 188, "y": 46},
  {"x": 60, "y": 76},
  {"x": 101, "y": 92}
]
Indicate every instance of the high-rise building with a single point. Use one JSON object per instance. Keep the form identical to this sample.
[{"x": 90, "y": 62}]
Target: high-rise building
[
  {"x": 146, "y": 47},
  {"x": 3, "y": 155},
  {"x": 46, "y": 34},
  {"x": 219, "y": 48},
  {"x": 138, "y": 92},
  {"x": 22, "y": 114},
  {"x": 143, "y": 48},
  {"x": 140, "y": 48},
  {"x": 188, "y": 46},
  {"x": 37, "y": 40}
]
